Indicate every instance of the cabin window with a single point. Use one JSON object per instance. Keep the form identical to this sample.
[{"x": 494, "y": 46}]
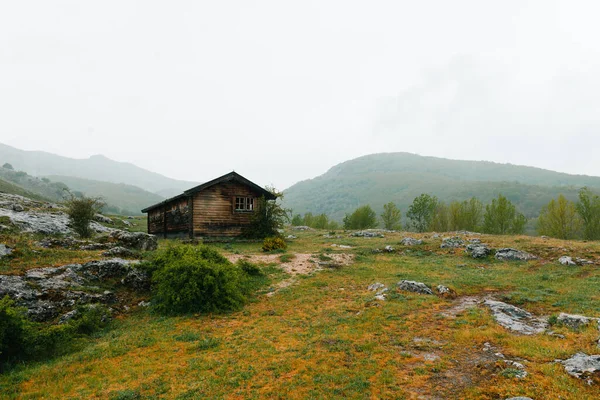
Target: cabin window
[{"x": 244, "y": 204}]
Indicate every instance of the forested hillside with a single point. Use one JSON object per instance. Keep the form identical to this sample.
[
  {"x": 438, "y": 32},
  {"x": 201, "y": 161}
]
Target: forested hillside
[{"x": 399, "y": 177}]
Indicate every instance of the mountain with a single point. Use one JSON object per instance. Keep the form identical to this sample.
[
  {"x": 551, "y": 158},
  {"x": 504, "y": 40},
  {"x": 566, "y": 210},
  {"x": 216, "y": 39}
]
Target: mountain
[
  {"x": 11, "y": 188},
  {"x": 98, "y": 168},
  {"x": 400, "y": 177},
  {"x": 119, "y": 197}
]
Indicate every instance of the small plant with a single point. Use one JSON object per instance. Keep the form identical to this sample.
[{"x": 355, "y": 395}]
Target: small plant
[
  {"x": 249, "y": 268},
  {"x": 81, "y": 212},
  {"x": 286, "y": 258},
  {"x": 274, "y": 243},
  {"x": 208, "y": 343}
]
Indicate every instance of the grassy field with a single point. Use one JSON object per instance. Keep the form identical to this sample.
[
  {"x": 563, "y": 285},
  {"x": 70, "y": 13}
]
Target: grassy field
[{"x": 323, "y": 335}]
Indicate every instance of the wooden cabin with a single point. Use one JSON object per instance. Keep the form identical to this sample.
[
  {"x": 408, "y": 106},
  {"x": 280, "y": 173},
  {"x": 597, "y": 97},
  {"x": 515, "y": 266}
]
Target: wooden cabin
[{"x": 219, "y": 208}]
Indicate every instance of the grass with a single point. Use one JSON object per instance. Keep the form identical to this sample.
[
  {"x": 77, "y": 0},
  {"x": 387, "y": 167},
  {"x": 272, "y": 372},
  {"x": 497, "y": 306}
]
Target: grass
[{"x": 325, "y": 337}]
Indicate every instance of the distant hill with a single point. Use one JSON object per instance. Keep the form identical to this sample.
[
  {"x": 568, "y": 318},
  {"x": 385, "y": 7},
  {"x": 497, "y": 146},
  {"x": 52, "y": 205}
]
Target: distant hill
[
  {"x": 119, "y": 197},
  {"x": 97, "y": 168},
  {"x": 399, "y": 177},
  {"x": 42, "y": 187},
  {"x": 11, "y": 188}
]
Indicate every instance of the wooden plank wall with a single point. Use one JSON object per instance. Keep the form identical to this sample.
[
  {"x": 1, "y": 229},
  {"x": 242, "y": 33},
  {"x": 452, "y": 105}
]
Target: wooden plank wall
[
  {"x": 214, "y": 213},
  {"x": 177, "y": 214}
]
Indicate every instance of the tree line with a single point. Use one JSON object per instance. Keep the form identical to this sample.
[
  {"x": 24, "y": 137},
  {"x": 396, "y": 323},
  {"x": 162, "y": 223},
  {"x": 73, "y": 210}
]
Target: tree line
[{"x": 560, "y": 218}]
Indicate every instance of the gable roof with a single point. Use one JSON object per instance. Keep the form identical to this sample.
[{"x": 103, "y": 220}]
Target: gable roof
[{"x": 230, "y": 177}]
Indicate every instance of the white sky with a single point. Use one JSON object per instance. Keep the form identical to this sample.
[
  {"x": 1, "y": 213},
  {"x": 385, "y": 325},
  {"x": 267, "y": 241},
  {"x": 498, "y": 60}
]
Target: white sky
[{"x": 282, "y": 90}]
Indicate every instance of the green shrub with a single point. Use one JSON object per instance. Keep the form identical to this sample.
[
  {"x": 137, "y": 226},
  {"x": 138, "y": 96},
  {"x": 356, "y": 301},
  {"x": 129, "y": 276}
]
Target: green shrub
[
  {"x": 273, "y": 243},
  {"x": 249, "y": 268},
  {"x": 196, "y": 279},
  {"x": 81, "y": 212},
  {"x": 12, "y": 329}
]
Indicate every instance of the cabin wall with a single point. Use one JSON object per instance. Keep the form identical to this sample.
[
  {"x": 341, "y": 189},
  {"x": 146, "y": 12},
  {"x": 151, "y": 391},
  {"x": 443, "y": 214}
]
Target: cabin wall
[
  {"x": 177, "y": 214},
  {"x": 214, "y": 214}
]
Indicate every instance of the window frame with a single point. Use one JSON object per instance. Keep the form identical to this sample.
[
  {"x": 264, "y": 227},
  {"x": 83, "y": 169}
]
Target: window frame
[{"x": 243, "y": 204}]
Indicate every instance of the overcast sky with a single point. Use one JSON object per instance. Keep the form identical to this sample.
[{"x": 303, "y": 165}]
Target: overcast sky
[{"x": 281, "y": 91}]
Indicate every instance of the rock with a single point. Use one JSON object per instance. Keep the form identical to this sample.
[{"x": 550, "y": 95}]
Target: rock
[
  {"x": 478, "y": 250},
  {"x": 515, "y": 319},
  {"x": 97, "y": 246},
  {"x": 565, "y": 260},
  {"x": 68, "y": 316},
  {"x": 408, "y": 241},
  {"x": 17, "y": 207},
  {"x": 514, "y": 255},
  {"x": 435, "y": 236},
  {"x": 375, "y": 286},
  {"x": 341, "y": 246},
  {"x": 376, "y": 251},
  {"x": 573, "y": 321},
  {"x": 55, "y": 223},
  {"x": 103, "y": 269},
  {"x": 582, "y": 366},
  {"x": 517, "y": 366},
  {"x": 5, "y": 250},
  {"x": 412, "y": 286},
  {"x": 291, "y": 237},
  {"x": 144, "y": 303},
  {"x": 302, "y": 228},
  {"x": 445, "y": 291},
  {"x": 475, "y": 241},
  {"x": 519, "y": 398},
  {"x": 126, "y": 223},
  {"x": 367, "y": 234},
  {"x": 452, "y": 243},
  {"x": 103, "y": 219},
  {"x": 388, "y": 249},
  {"x": 119, "y": 251},
  {"x": 58, "y": 278},
  {"x": 135, "y": 240},
  {"x": 583, "y": 261},
  {"x": 137, "y": 279},
  {"x": 66, "y": 243}
]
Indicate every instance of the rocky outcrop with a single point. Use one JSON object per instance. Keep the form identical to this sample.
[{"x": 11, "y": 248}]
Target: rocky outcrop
[
  {"x": 408, "y": 241},
  {"x": 515, "y": 318},
  {"x": 566, "y": 260},
  {"x": 446, "y": 292},
  {"x": 478, "y": 250},
  {"x": 574, "y": 321},
  {"x": 103, "y": 219},
  {"x": 583, "y": 366},
  {"x": 514, "y": 255},
  {"x": 452, "y": 243},
  {"x": 119, "y": 251},
  {"x": 415, "y": 287},
  {"x": 134, "y": 240},
  {"x": 5, "y": 250},
  {"x": 48, "y": 292},
  {"x": 367, "y": 234},
  {"x": 49, "y": 223}
]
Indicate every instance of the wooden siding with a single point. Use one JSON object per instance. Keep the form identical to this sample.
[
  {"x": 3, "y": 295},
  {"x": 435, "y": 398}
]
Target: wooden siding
[
  {"x": 214, "y": 213},
  {"x": 177, "y": 214}
]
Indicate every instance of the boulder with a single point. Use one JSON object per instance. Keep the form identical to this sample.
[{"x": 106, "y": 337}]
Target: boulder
[
  {"x": 119, "y": 251},
  {"x": 515, "y": 319},
  {"x": 573, "y": 321},
  {"x": 478, "y": 250},
  {"x": 5, "y": 250},
  {"x": 452, "y": 243},
  {"x": 103, "y": 219},
  {"x": 408, "y": 241},
  {"x": 135, "y": 240},
  {"x": 367, "y": 234},
  {"x": 17, "y": 207},
  {"x": 582, "y": 366},
  {"x": 514, "y": 255},
  {"x": 388, "y": 249},
  {"x": 445, "y": 291},
  {"x": 375, "y": 286},
  {"x": 137, "y": 279},
  {"x": 566, "y": 260},
  {"x": 415, "y": 287},
  {"x": 54, "y": 223}
]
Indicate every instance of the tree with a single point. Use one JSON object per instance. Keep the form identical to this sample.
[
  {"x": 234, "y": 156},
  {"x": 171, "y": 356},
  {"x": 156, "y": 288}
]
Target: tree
[
  {"x": 588, "y": 208},
  {"x": 439, "y": 222},
  {"x": 297, "y": 220},
  {"x": 391, "y": 216},
  {"x": 81, "y": 212},
  {"x": 472, "y": 213},
  {"x": 559, "y": 219},
  {"x": 321, "y": 221},
  {"x": 269, "y": 216},
  {"x": 421, "y": 211},
  {"x": 8, "y": 166},
  {"x": 501, "y": 217},
  {"x": 362, "y": 218}
]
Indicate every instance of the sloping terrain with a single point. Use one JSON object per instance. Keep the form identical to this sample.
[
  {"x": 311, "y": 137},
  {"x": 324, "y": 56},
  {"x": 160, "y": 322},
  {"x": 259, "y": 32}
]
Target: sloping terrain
[
  {"x": 400, "y": 177},
  {"x": 11, "y": 188},
  {"x": 97, "y": 167},
  {"x": 121, "y": 198},
  {"x": 351, "y": 329}
]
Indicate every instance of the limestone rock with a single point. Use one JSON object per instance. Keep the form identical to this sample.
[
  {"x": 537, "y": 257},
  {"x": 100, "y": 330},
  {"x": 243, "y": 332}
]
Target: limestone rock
[
  {"x": 137, "y": 279},
  {"x": 5, "y": 250},
  {"x": 452, "y": 243},
  {"x": 573, "y": 321},
  {"x": 119, "y": 251},
  {"x": 445, "y": 291},
  {"x": 515, "y": 319},
  {"x": 367, "y": 234},
  {"x": 103, "y": 219},
  {"x": 135, "y": 240},
  {"x": 413, "y": 286},
  {"x": 582, "y": 366},
  {"x": 565, "y": 260},
  {"x": 375, "y": 286},
  {"x": 478, "y": 250},
  {"x": 514, "y": 255},
  {"x": 388, "y": 249},
  {"x": 408, "y": 241}
]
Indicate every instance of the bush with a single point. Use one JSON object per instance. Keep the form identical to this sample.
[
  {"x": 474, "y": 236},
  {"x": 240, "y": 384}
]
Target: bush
[
  {"x": 196, "y": 279},
  {"x": 268, "y": 218},
  {"x": 81, "y": 212},
  {"x": 362, "y": 218},
  {"x": 274, "y": 243},
  {"x": 249, "y": 268}
]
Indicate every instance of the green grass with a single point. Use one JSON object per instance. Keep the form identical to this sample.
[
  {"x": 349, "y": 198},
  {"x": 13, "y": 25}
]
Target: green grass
[{"x": 325, "y": 337}]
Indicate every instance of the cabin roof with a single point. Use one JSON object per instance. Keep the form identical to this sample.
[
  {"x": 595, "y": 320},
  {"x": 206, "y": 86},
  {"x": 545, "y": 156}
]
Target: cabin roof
[{"x": 230, "y": 177}]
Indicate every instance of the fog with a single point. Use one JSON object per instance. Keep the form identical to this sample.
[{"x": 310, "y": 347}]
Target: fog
[{"x": 281, "y": 91}]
